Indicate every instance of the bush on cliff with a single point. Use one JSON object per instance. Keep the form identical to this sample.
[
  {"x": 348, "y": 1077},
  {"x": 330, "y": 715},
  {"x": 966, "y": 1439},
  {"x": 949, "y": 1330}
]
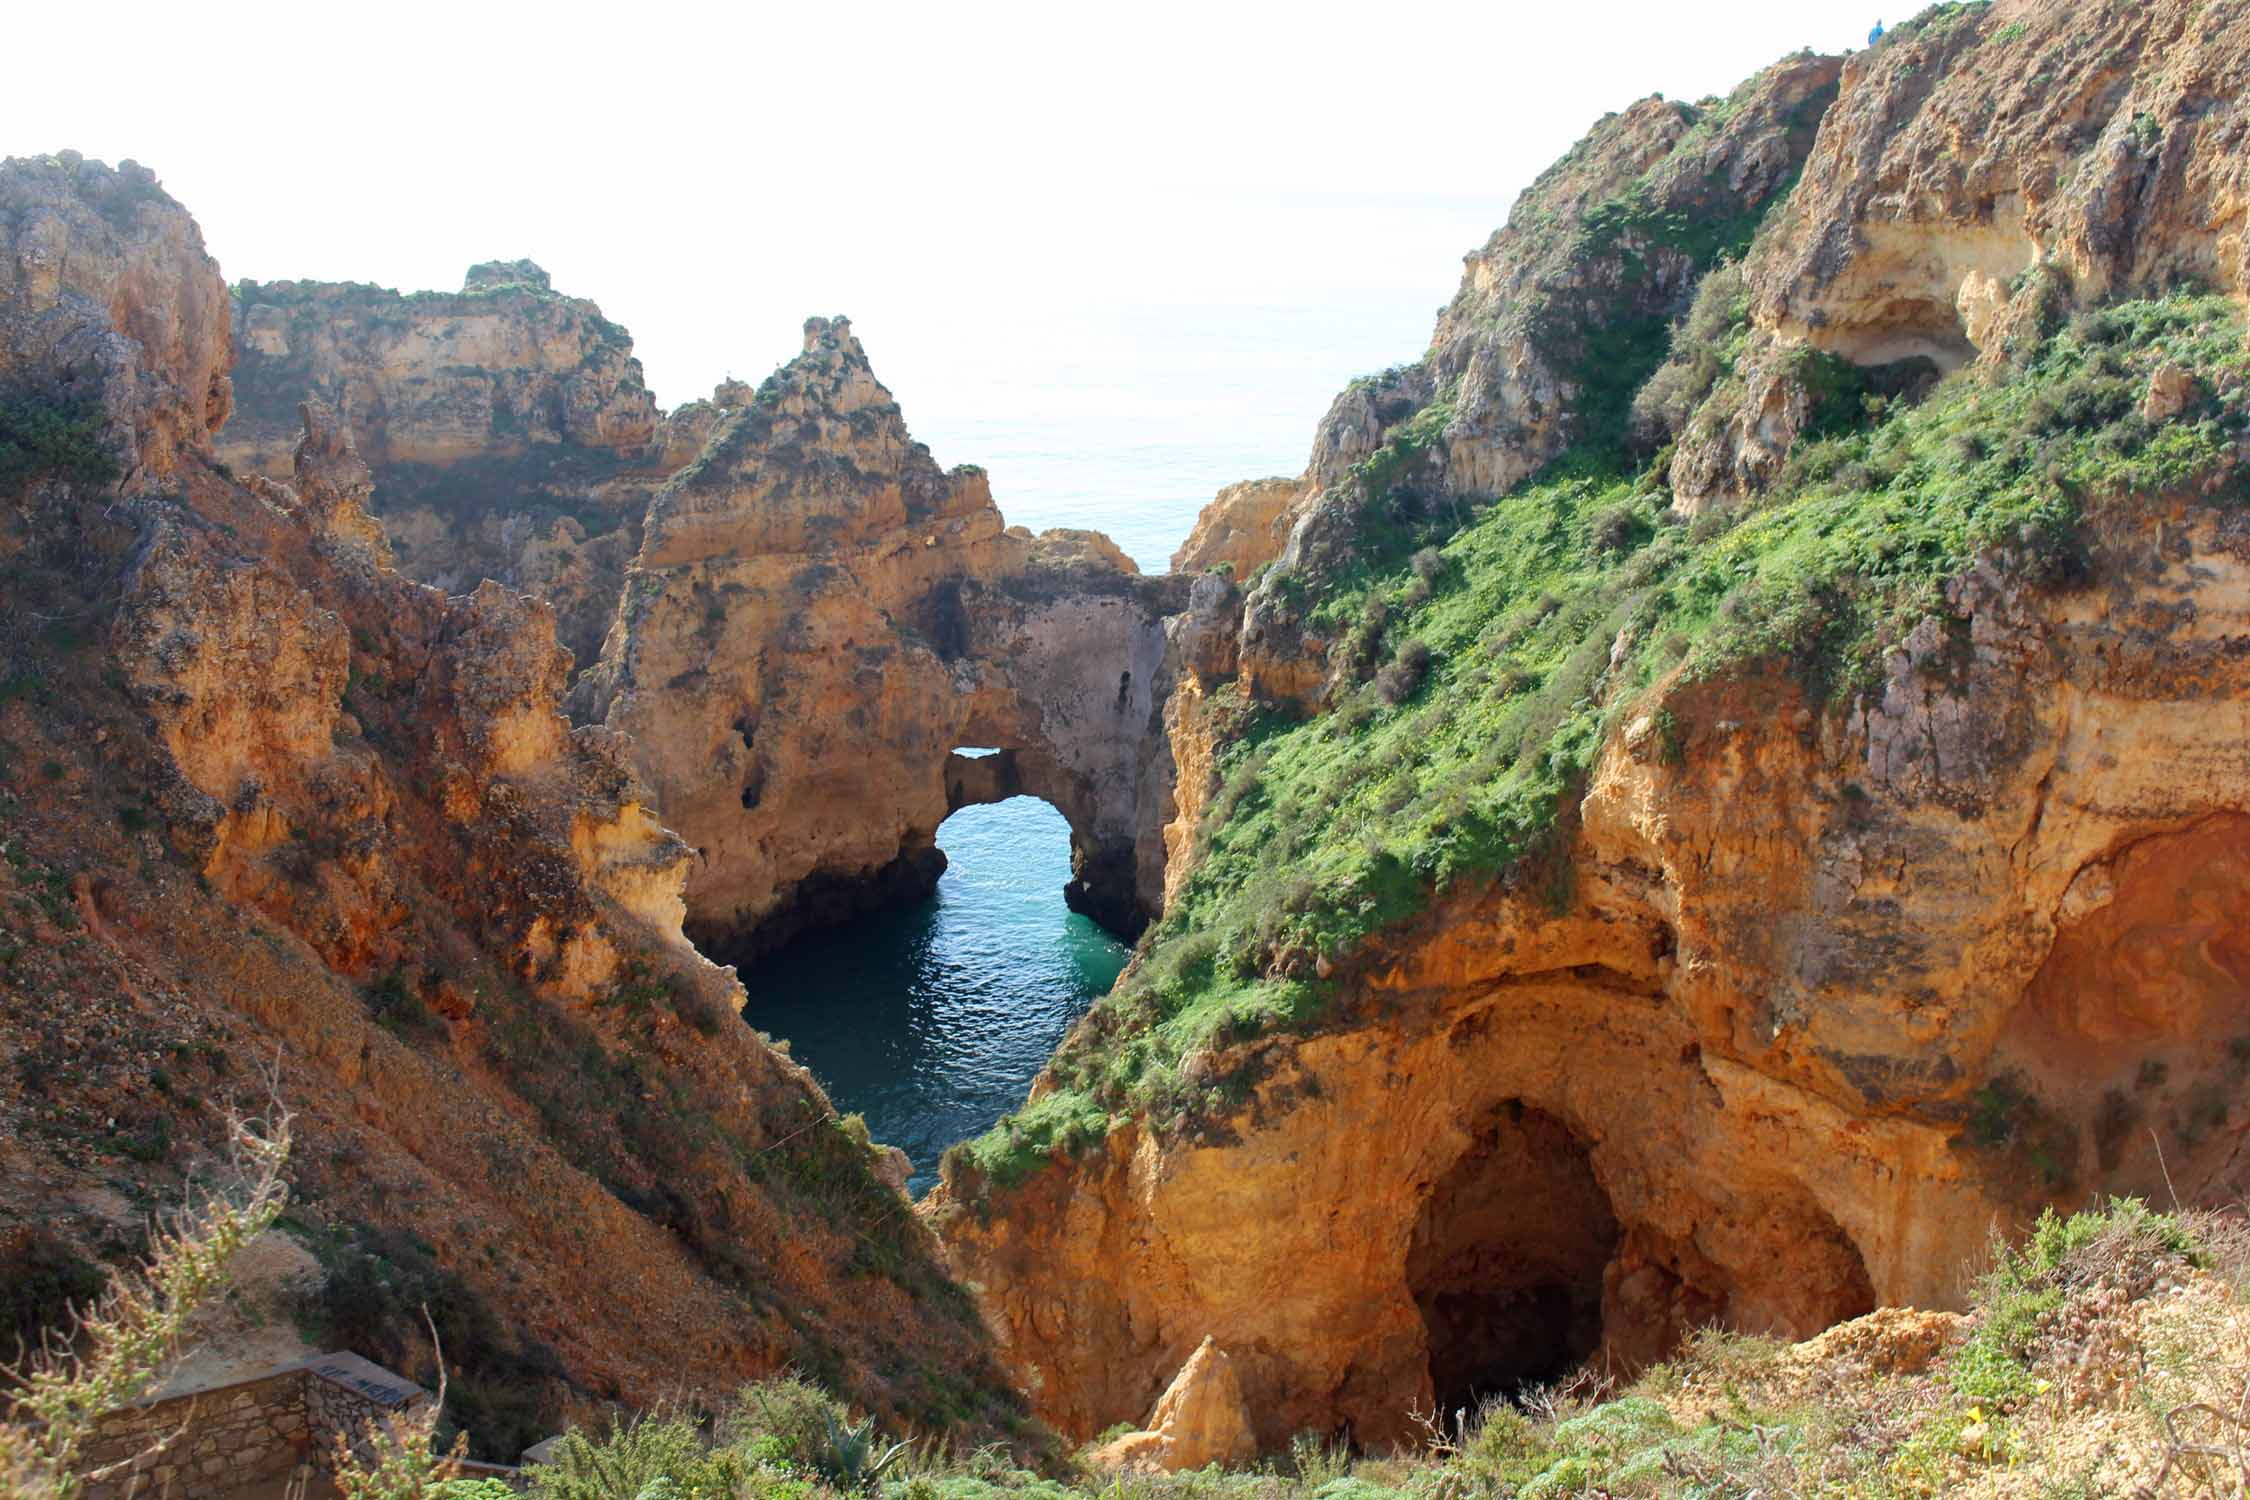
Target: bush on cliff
[{"x": 41, "y": 437}]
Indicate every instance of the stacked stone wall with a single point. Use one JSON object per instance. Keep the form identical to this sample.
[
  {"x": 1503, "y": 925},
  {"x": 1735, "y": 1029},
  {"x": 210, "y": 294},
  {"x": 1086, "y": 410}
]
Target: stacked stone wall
[
  {"x": 216, "y": 1443},
  {"x": 204, "y": 1446}
]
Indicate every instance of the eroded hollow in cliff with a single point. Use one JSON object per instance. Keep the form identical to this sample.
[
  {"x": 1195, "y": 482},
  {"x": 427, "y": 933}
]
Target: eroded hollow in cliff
[{"x": 1506, "y": 1260}]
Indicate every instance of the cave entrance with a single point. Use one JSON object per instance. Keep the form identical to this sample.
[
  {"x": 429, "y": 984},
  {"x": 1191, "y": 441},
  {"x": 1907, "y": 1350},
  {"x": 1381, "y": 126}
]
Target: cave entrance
[{"x": 1507, "y": 1258}]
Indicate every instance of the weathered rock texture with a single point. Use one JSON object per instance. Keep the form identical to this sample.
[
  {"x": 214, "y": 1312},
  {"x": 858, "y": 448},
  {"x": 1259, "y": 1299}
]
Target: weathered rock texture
[
  {"x": 296, "y": 813},
  {"x": 2108, "y": 155},
  {"x": 1199, "y": 1420},
  {"x": 820, "y": 617},
  {"x": 1832, "y": 990},
  {"x": 1243, "y": 528},
  {"x": 508, "y": 427},
  {"x": 1557, "y": 318}
]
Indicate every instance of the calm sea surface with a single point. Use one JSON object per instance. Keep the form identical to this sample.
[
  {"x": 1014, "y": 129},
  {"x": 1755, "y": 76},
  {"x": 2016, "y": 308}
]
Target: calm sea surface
[{"x": 1122, "y": 414}]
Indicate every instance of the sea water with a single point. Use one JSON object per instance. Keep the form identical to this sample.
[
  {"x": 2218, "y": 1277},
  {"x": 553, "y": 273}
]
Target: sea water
[{"x": 1121, "y": 412}]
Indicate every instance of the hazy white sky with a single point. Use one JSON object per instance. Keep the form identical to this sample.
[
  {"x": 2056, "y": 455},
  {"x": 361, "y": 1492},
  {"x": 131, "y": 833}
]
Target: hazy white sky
[
  {"x": 711, "y": 173},
  {"x": 1121, "y": 255}
]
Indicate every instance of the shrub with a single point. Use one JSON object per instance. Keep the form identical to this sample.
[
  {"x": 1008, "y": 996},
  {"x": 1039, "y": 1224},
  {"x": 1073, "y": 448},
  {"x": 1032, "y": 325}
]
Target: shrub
[
  {"x": 785, "y": 1419},
  {"x": 1613, "y": 528},
  {"x": 1403, "y": 678},
  {"x": 2123, "y": 1245},
  {"x": 41, "y": 438},
  {"x": 653, "y": 1456},
  {"x": 1703, "y": 352}
]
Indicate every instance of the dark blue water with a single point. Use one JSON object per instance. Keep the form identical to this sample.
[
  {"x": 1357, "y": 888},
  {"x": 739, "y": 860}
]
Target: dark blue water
[{"x": 932, "y": 1021}]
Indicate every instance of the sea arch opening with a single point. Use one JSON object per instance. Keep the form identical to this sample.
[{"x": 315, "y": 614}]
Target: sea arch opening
[
  {"x": 931, "y": 1018},
  {"x": 1101, "y": 881}
]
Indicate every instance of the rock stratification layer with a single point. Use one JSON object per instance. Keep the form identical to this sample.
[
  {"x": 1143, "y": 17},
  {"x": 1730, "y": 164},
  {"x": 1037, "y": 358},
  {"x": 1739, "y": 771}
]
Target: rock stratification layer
[
  {"x": 297, "y": 817},
  {"x": 508, "y": 428},
  {"x": 820, "y": 618},
  {"x": 1916, "y": 909}
]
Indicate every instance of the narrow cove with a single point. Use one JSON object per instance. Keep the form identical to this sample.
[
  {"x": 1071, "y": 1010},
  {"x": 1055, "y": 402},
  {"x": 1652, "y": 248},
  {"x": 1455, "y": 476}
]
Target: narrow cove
[{"x": 931, "y": 1020}]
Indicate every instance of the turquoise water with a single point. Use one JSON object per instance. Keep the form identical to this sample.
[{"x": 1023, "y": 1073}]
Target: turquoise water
[{"x": 932, "y": 1021}]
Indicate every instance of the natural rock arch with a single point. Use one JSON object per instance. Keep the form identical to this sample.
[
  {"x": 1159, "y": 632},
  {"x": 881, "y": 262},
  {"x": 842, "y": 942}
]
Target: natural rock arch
[{"x": 819, "y": 615}]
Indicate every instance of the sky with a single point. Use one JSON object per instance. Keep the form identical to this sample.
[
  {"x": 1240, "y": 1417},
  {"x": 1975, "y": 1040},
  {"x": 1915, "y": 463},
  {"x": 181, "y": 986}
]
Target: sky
[{"x": 1163, "y": 207}]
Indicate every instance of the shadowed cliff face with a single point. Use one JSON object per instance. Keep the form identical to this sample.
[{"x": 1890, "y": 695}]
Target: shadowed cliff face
[
  {"x": 289, "y": 814},
  {"x": 1844, "y": 941},
  {"x": 820, "y": 617},
  {"x": 507, "y": 426}
]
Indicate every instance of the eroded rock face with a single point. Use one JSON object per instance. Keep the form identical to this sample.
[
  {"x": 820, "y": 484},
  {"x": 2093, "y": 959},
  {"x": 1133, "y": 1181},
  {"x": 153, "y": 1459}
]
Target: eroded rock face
[
  {"x": 2107, "y": 156},
  {"x": 108, "y": 297},
  {"x": 1558, "y": 318},
  {"x": 508, "y": 428},
  {"x": 820, "y": 616},
  {"x": 1243, "y": 528},
  {"x": 362, "y": 854},
  {"x": 505, "y": 363}
]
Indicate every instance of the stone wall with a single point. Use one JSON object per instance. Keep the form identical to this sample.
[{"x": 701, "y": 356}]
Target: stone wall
[
  {"x": 218, "y": 1442},
  {"x": 204, "y": 1445}
]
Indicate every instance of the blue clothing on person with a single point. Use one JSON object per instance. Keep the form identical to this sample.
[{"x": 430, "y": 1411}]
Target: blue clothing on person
[{"x": 1876, "y": 35}]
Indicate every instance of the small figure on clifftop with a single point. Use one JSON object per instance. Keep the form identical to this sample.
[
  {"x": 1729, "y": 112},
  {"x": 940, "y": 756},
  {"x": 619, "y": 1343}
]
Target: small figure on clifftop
[{"x": 1876, "y": 35}]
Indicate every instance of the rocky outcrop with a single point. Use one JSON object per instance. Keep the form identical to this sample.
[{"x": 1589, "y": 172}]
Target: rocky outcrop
[
  {"x": 105, "y": 301},
  {"x": 1243, "y": 528},
  {"x": 508, "y": 428},
  {"x": 1559, "y": 318},
  {"x": 505, "y": 364},
  {"x": 820, "y": 617},
  {"x": 299, "y": 818},
  {"x": 1199, "y": 1420},
  {"x": 1808, "y": 994},
  {"x": 2107, "y": 158}
]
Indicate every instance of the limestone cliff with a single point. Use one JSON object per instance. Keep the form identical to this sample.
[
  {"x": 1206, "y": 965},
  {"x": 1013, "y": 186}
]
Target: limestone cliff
[
  {"x": 2106, "y": 158},
  {"x": 820, "y": 617},
  {"x": 1720, "y": 921},
  {"x": 271, "y": 808},
  {"x": 1243, "y": 528},
  {"x": 509, "y": 430},
  {"x": 1558, "y": 318}
]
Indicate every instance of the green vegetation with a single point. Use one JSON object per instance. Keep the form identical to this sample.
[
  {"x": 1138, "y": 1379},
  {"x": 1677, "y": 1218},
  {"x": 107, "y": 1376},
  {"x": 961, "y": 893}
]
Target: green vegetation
[
  {"x": 1550, "y": 619},
  {"x": 43, "y": 438},
  {"x": 2026, "y": 1286}
]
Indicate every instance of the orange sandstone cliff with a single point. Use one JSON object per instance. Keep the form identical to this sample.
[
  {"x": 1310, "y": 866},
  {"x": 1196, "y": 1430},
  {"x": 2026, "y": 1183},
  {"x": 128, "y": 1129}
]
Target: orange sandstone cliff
[
  {"x": 507, "y": 427},
  {"x": 1818, "y": 975}
]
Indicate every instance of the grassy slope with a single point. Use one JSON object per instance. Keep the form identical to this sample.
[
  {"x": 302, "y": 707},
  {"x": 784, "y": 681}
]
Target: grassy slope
[{"x": 1547, "y": 620}]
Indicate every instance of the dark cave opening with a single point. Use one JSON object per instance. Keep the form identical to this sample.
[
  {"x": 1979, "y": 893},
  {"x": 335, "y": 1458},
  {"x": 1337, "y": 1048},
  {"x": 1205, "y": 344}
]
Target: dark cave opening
[{"x": 1507, "y": 1258}]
